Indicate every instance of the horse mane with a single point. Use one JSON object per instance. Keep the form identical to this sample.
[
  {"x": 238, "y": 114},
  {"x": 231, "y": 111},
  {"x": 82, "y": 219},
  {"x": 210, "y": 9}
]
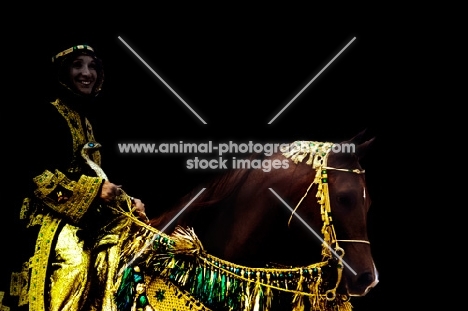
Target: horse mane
[{"x": 218, "y": 192}]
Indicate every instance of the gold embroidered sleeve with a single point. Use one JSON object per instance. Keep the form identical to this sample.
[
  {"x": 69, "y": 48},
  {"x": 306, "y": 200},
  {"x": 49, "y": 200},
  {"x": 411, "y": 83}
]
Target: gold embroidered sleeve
[{"x": 67, "y": 197}]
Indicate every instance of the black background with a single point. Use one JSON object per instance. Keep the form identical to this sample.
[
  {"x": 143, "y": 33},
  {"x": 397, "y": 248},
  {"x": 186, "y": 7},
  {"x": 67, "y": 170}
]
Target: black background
[{"x": 237, "y": 68}]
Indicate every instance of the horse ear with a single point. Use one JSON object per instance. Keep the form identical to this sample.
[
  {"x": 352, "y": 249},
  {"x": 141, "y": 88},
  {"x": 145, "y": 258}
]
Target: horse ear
[
  {"x": 358, "y": 138},
  {"x": 361, "y": 149}
]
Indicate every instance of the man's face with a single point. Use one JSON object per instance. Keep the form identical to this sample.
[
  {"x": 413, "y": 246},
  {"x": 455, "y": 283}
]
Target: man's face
[{"x": 83, "y": 74}]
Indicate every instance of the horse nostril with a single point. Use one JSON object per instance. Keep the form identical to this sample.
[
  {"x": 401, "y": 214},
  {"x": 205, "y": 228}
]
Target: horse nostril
[{"x": 365, "y": 279}]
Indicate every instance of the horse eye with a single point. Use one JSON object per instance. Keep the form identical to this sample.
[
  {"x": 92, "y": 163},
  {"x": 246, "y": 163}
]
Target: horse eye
[{"x": 345, "y": 200}]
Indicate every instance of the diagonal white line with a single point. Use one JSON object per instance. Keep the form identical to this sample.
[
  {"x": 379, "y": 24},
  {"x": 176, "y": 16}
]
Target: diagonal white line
[
  {"x": 167, "y": 85},
  {"x": 312, "y": 230},
  {"x": 181, "y": 211},
  {"x": 147, "y": 244},
  {"x": 316, "y": 76}
]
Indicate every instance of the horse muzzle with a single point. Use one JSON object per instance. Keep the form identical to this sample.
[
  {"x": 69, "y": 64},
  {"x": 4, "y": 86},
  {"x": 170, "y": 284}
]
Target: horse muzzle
[{"x": 360, "y": 284}]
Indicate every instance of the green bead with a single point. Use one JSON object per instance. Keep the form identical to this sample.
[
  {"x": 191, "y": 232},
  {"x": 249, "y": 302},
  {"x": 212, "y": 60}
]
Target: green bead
[{"x": 143, "y": 300}]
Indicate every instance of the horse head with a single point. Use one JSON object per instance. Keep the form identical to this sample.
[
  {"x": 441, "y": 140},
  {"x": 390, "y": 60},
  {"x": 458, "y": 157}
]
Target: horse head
[{"x": 350, "y": 202}]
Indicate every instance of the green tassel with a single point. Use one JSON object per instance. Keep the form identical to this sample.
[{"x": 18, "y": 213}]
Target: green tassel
[
  {"x": 211, "y": 286},
  {"x": 233, "y": 294},
  {"x": 223, "y": 288},
  {"x": 125, "y": 292},
  {"x": 200, "y": 282}
]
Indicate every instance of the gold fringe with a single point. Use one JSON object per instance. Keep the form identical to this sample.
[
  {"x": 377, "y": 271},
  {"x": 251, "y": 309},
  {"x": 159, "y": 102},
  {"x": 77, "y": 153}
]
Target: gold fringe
[
  {"x": 298, "y": 300},
  {"x": 268, "y": 294},
  {"x": 247, "y": 297},
  {"x": 187, "y": 241},
  {"x": 257, "y": 295}
]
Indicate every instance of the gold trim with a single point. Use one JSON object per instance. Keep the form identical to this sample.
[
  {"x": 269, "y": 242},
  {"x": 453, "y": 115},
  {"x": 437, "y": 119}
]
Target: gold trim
[
  {"x": 74, "y": 123},
  {"x": 73, "y": 48},
  {"x": 83, "y": 191},
  {"x": 164, "y": 295},
  {"x": 80, "y": 135},
  {"x": 19, "y": 284},
  {"x": 40, "y": 261}
]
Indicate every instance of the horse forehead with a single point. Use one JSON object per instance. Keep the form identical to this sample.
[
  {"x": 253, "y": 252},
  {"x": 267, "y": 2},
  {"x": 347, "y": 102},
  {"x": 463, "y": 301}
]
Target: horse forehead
[
  {"x": 342, "y": 159},
  {"x": 346, "y": 181}
]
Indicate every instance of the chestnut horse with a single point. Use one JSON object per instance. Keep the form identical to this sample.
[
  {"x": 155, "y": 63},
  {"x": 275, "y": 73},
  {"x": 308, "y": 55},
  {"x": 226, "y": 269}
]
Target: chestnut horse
[{"x": 256, "y": 218}]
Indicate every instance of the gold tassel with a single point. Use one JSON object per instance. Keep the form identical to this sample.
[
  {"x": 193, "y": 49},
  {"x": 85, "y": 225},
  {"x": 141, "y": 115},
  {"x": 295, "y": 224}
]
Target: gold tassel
[
  {"x": 268, "y": 294},
  {"x": 257, "y": 294},
  {"x": 186, "y": 242},
  {"x": 298, "y": 300},
  {"x": 247, "y": 297},
  {"x": 310, "y": 161},
  {"x": 314, "y": 288},
  {"x": 296, "y": 151}
]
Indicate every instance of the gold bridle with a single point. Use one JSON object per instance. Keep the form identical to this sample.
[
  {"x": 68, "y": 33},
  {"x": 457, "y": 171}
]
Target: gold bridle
[{"x": 318, "y": 155}]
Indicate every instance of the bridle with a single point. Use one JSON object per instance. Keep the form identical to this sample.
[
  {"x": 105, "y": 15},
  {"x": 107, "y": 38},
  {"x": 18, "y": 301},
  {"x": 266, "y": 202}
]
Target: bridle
[
  {"x": 318, "y": 153},
  {"x": 355, "y": 171}
]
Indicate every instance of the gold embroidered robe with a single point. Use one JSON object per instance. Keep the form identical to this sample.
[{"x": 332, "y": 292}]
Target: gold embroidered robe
[{"x": 61, "y": 195}]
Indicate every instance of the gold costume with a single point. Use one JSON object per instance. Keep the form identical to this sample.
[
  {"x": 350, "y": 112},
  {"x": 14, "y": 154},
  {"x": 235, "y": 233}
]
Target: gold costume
[
  {"x": 77, "y": 247},
  {"x": 56, "y": 194}
]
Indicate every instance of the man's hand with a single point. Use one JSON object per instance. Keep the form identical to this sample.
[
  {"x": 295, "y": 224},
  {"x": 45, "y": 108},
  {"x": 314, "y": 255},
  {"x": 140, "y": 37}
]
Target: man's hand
[
  {"x": 109, "y": 191},
  {"x": 138, "y": 208}
]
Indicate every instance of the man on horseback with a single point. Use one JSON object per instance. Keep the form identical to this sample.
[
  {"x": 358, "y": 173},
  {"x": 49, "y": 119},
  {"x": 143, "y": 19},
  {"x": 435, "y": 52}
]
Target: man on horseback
[{"x": 72, "y": 213}]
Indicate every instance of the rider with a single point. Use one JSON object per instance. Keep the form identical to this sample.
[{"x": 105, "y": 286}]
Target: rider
[{"x": 69, "y": 209}]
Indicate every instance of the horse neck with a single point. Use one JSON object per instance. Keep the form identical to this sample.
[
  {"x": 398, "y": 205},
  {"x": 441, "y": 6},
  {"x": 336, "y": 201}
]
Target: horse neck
[
  {"x": 260, "y": 218},
  {"x": 237, "y": 217},
  {"x": 204, "y": 199}
]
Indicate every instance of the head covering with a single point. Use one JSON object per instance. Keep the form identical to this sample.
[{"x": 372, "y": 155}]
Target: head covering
[{"x": 63, "y": 61}]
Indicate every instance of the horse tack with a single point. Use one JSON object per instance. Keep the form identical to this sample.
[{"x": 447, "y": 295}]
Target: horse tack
[
  {"x": 318, "y": 154},
  {"x": 181, "y": 276},
  {"x": 180, "y": 271}
]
